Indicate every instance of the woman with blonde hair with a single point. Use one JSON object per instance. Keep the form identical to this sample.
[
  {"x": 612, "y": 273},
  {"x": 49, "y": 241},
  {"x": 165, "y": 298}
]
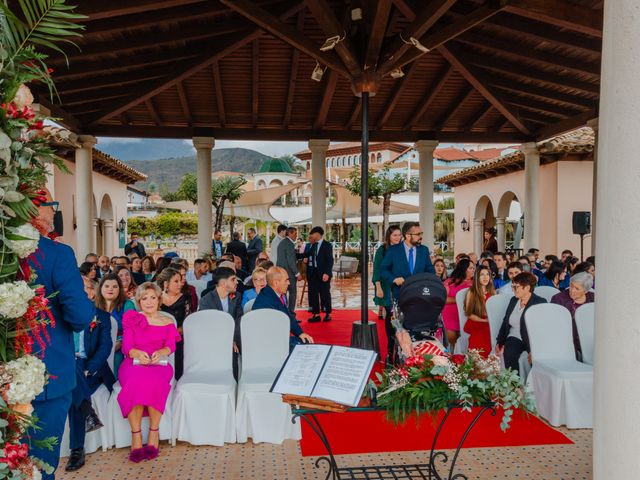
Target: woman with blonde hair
[
  {"x": 475, "y": 308},
  {"x": 259, "y": 280}
]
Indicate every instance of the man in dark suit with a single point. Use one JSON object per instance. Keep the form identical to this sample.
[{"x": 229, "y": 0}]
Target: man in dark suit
[
  {"x": 274, "y": 297},
  {"x": 287, "y": 259},
  {"x": 216, "y": 245},
  {"x": 224, "y": 298},
  {"x": 238, "y": 248},
  {"x": 93, "y": 347},
  {"x": 319, "y": 273},
  {"x": 253, "y": 249},
  {"x": 405, "y": 259},
  {"x": 135, "y": 246},
  {"x": 54, "y": 264}
]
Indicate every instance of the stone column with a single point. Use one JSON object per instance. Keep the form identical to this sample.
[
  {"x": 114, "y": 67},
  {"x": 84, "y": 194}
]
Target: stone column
[
  {"x": 425, "y": 149},
  {"x": 318, "y": 182},
  {"x": 501, "y": 236},
  {"x": 616, "y": 441},
  {"x": 531, "y": 195},
  {"x": 107, "y": 235},
  {"x": 477, "y": 236},
  {"x": 95, "y": 226},
  {"x": 204, "y": 147},
  {"x": 85, "y": 234},
  {"x": 594, "y": 199}
]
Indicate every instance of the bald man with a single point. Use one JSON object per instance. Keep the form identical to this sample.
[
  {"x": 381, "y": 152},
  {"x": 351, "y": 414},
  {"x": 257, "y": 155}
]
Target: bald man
[
  {"x": 274, "y": 297},
  {"x": 56, "y": 268}
]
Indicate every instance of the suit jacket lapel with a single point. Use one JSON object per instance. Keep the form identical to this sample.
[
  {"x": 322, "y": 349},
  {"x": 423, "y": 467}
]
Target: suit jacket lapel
[{"x": 216, "y": 300}]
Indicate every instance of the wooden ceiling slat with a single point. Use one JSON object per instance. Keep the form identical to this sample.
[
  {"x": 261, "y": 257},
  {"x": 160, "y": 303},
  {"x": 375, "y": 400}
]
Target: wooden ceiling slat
[
  {"x": 111, "y": 80},
  {"x": 378, "y": 30},
  {"x": 293, "y": 74},
  {"x": 116, "y": 8},
  {"x": 184, "y": 102},
  {"x": 555, "y": 110},
  {"x": 431, "y": 94},
  {"x": 540, "y": 93},
  {"x": 153, "y": 112},
  {"x": 354, "y": 114},
  {"x": 217, "y": 80},
  {"x": 481, "y": 112},
  {"x": 560, "y": 13},
  {"x": 394, "y": 98},
  {"x": 325, "y": 103},
  {"x": 255, "y": 84},
  {"x": 457, "y": 106}
]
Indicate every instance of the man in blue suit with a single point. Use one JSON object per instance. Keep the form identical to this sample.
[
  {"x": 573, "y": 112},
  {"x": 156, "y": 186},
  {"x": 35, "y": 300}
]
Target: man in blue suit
[
  {"x": 405, "y": 259},
  {"x": 274, "y": 297},
  {"x": 93, "y": 347},
  {"x": 56, "y": 268}
]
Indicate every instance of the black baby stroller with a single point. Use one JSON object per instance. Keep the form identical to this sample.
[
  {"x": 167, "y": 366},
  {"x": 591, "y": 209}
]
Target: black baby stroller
[{"x": 418, "y": 308}]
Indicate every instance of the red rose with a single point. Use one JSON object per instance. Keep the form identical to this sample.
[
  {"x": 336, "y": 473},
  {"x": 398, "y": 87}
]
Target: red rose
[
  {"x": 93, "y": 325},
  {"x": 458, "y": 359},
  {"x": 14, "y": 454}
]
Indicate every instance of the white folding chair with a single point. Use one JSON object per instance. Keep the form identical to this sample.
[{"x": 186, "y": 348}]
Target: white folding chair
[
  {"x": 585, "y": 321},
  {"x": 204, "y": 400},
  {"x": 265, "y": 346},
  {"x": 496, "y": 310},
  {"x": 248, "y": 306},
  {"x": 546, "y": 292},
  {"x": 563, "y": 387},
  {"x": 462, "y": 345},
  {"x": 100, "y": 402},
  {"x": 121, "y": 428}
]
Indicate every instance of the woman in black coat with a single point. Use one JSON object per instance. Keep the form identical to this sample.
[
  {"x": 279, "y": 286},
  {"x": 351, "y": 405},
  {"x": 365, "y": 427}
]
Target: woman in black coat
[{"x": 512, "y": 338}]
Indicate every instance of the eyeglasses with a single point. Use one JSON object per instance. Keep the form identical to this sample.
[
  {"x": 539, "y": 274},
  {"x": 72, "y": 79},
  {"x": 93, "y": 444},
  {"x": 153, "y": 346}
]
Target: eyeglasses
[
  {"x": 419, "y": 234},
  {"x": 54, "y": 205}
]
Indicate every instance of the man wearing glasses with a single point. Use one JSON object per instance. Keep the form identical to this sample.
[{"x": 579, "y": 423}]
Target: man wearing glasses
[{"x": 407, "y": 258}]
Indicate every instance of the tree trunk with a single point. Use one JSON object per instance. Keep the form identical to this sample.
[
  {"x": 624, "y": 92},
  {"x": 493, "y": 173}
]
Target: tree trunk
[
  {"x": 344, "y": 234},
  {"x": 232, "y": 222},
  {"x": 386, "y": 206},
  {"x": 220, "y": 215}
]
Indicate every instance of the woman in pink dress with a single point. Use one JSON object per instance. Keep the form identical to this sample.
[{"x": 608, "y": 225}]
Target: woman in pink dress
[
  {"x": 460, "y": 279},
  {"x": 475, "y": 308},
  {"x": 148, "y": 339}
]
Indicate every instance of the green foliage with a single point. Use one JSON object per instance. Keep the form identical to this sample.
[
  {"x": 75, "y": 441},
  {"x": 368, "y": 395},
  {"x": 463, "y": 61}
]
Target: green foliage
[
  {"x": 165, "y": 225},
  {"x": 444, "y": 225},
  {"x": 381, "y": 183},
  {"x": 188, "y": 189},
  {"x": 294, "y": 163}
]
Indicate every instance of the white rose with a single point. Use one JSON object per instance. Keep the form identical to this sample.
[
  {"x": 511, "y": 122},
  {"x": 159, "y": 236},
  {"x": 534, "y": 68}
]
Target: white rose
[
  {"x": 23, "y": 97},
  {"x": 28, "y": 378},
  {"x": 24, "y": 248},
  {"x": 440, "y": 361},
  {"x": 14, "y": 299},
  {"x": 36, "y": 474}
]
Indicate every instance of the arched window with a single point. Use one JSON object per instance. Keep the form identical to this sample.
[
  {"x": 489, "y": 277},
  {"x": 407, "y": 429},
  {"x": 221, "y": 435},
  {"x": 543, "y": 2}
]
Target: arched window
[
  {"x": 328, "y": 162},
  {"x": 379, "y": 158},
  {"x": 373, "y": 158}
]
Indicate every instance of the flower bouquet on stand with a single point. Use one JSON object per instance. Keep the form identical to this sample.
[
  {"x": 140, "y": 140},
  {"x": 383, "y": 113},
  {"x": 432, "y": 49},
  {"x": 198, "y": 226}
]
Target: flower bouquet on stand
[{"x": 25, "y": 161}]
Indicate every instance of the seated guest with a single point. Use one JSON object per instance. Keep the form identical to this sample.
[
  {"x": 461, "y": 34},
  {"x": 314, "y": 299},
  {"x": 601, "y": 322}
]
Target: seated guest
[
  {"x": 89, "y": 270},
  {"x": 187, "y": 289},
  {"x": 512, "y": 338},
  {"x": 553, "y": 276},
  {"x": 240, "y": 272},
  {"x": 576, "y": 295},
  {"x": 161, "y": 264},
  {"x": 128, "y": 284},
  {"x": 149, "y": 337},
  {"x": 274, "y": 297},
  {"x": 136, "y": 272},
  {"x": 493, "y": 268},
  {"x": 501, "y": 262},
  {"x": 259, "y": 280},
  {"x": 565, "y": 255},
  {"x": 586, "y": 267},
  {"x": 211, "y": 285},
  {"x": 148, "y": 268},
  {"x": 513, "y": 269},
  {"x": 441, "y": 269},
  {"x": 199, "y": 276},
  {"x": 103, "y": 265},
  {"x": 525, "y": 261},
  {"x": 262, "y": 257},
  {"x": 93, "y": 347},
  {"x": 475, "y": 308}
]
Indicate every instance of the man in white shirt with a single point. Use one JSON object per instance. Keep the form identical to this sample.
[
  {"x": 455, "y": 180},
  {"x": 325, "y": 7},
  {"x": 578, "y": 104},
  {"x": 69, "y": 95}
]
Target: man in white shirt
[
  {"x": 513, "y": 269},
  {"x": 199, "y": 276},
  {"x": 281, "y": 233}
]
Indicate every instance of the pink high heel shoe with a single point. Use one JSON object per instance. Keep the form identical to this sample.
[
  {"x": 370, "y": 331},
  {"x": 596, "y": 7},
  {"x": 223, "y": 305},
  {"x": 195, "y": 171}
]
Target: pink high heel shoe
[
  {"x": 137, "y": 454},
  {"x": 151, "y": 452}
]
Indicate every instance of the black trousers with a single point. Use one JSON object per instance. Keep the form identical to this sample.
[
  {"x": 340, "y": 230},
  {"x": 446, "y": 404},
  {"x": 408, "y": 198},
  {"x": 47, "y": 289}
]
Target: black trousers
[
  {"x": 391, "y": 333},
  {"x": 319, "y": 292},
  {"x": 292, "y": 294},
  {"x": 513, "y": 348}
]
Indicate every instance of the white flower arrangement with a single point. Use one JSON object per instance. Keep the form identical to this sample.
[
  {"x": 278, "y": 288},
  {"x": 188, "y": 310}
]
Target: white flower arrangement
[
  {"x": 23, "y": 97},
  {"x": 24, "y": 248},
  {"x": 28, "y": 378},
  {"x": 15, "y": 298}
]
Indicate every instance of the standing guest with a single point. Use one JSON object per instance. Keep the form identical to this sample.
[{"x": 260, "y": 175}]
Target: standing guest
[
  {"x": 175, "y": 302},
  {"x": 553, "y": 276},
  {"x": 112, "y": 298},
  {"x": 319, "y": 273},
  {"x": 254, "y": 247},
  {"x": 382, "y": 297},
  {"x": 216, "y": 245},
  {"x": 93, "y": 347},
  {"x": 129, "y": 285},
  {"x": 475, "y": 308},
  {"x": 273, "y": 297},
  {"x": 490, "y": 244},
  {"x": 238, "y": 248},
  {"x": 54, "y": 266},
  {"x": 460, "y": 278},
  {"x": 513, "y": 269},
  {"x": 280, "y": 234},
  {"x": 300, "y": 246},
  {"x": 574, "y": 297},
  {"x": 148, "y": 268},
  {"x": 135, "y": 246},
  {"x": 565, "y": 255},
  {"x": 136, "y": 271},
  {"x": 441, "y": 269},
  {"x": 149, "y": 338},
  {"x": 89, "y": 270},
  {"x": 288, "y": 260},
  {"x": 512, "y": 338},
  {"x": 407, "y": 258},
  {"x": 103, "y": 265},
  {"x": 259, "y": 280}
]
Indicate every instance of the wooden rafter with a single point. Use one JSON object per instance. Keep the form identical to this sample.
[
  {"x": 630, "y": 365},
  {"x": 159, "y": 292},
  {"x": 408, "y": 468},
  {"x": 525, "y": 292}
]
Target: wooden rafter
[
  {"x": 459, "y": 102},
  {"x": 540, "y": 93},
  {"x": 73, "y": 99},
  {"x": 378, "y": 29},
  {"x": 482, "y": 112},
  {"x": 106, "y": 81},
  {"x": 355, "y": 113},
  {"x": 153, "y": 112},
  {"x": 255, "y": 81},
  {"x": 117, "y": 8},
  {"x": 560, "y": 13},
  {"x": 472, "y": 76},
  {"x": 549, "y": 108},
  {"x": 431, "y": 93},
  {"x": 403, "y": 83},
  {"x": 566, "y": 125},
  {"x": 405, "y": 9},
  {"x": 293, "y": 74},
  {"x": 286, "y": 33},
  {"x": 62, "y": 117},
  {"x": 184, "y": 102},
  {"x": 217, "y": 82},
  {"x": 325, "y": 103}
]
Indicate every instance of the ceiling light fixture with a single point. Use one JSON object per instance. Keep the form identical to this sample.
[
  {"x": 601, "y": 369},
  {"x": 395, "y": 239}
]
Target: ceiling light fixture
[
  {"x": 356, "y": 14},
  {"x": 331, "y": 42},
  {"x": 397, "y": 73},
  {"x": 416, "y": 43},
  {"x": 317, "y": 73}
]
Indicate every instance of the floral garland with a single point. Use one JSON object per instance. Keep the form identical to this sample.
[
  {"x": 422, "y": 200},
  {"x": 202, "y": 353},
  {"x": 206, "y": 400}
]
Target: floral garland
[
  {"x": 431, "y": 383},
  {"x": 24, "y": 160}
]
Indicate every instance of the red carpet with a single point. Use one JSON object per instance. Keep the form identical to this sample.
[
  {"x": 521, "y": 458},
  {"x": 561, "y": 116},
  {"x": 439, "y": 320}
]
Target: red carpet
[{"x": 370, "y": 432}]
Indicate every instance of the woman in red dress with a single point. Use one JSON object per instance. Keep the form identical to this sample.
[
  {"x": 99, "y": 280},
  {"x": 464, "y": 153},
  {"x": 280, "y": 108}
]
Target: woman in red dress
[{"x": 475, "y": 308}]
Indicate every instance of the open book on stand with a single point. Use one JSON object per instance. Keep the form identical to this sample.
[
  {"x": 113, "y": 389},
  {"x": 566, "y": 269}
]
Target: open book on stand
[{"x": 329, "y": 372}]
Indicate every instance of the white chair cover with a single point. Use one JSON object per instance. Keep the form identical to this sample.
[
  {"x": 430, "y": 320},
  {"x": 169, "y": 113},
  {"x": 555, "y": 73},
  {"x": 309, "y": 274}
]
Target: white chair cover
[
  {"x": 204, "y": 400},
  {"x": 585, "y": 320},
  {"x": 496, "y": 310},
  {"x": 100, "y": 402},
  {"x": 563, "y": 387},
  {"x": 546, "y": 292},
  {"x": 248, "y": 306},
  {"x": 462, "y": 345},
  {"x": 260, "y": 414}
]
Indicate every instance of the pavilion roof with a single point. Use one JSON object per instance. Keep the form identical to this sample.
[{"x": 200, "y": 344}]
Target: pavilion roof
[
  {"x": 575, "y": 145},
  {"x": 496, "y": 70}
]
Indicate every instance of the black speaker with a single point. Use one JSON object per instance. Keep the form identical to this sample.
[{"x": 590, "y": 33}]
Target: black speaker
[
  {"x": 581, "y": 223},
  {"x": 58, "y": 225}
]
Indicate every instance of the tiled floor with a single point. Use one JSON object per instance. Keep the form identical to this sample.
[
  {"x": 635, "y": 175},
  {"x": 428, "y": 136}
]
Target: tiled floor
[{"x": 345, "y": 293}]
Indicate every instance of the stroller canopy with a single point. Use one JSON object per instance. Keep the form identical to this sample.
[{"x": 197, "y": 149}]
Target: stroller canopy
[{"x": 421, "y": 300}]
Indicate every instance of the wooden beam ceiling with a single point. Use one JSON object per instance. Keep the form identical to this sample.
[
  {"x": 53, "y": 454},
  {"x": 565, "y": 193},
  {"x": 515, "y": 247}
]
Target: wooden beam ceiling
[
  {"x": 293, "y": 74},
  {"x": 184, "y": 103},
  {"x": 559, "y": 13},
  {"x": 325, "y": 103},
  {"x": 153, "y": 112},
  {"x": 540, "y": 93},
  {"x": 255, "y": 81},
  {"x": 457, "y": 105},
  {"x": 430, "y": 95},
  {"x": 117, "y": 8},
  {"x": 402, "y": 85},
  {"x": 217, "y": 82},
  {"x": 377, "y": 34},
  {"x": 480, "y": 113}
]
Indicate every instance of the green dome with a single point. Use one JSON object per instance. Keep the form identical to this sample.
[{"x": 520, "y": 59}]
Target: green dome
[{"x": 275, "y": 165}]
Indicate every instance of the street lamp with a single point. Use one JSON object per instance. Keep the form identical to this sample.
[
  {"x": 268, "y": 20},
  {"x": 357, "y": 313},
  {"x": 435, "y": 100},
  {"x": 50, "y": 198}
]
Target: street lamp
[
  {"x": 122, "y": 225},
  {"x": 464, "y": 224}
]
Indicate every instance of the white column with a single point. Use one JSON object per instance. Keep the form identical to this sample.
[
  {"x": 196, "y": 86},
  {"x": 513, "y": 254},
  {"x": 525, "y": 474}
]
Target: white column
[
  {"x": 531, "y": 195},
  {"x": 204, "y": 147},
  {"x": 95, "y": 225},
  {"x": 501, "y": 233},
  {"x": 318, "y": 182},
  {"x": 478, "y": 236},
  {"x": 425, "y": 149},
  {"x": 84, "y": 196},
  {"x": 616, "y": 433},
  {"x": 107, "y": 235},
  {"x": 594, "y": 199}
]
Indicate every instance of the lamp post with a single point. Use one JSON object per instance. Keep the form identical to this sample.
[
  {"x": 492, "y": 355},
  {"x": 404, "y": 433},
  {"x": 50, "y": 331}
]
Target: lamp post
[{"x": 121, "y": 229}]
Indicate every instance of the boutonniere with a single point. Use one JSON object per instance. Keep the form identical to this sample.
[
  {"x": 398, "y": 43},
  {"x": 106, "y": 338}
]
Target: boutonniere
[
  {"x": 232, "y": 296},
  {"x": 93, "y": 324}
]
